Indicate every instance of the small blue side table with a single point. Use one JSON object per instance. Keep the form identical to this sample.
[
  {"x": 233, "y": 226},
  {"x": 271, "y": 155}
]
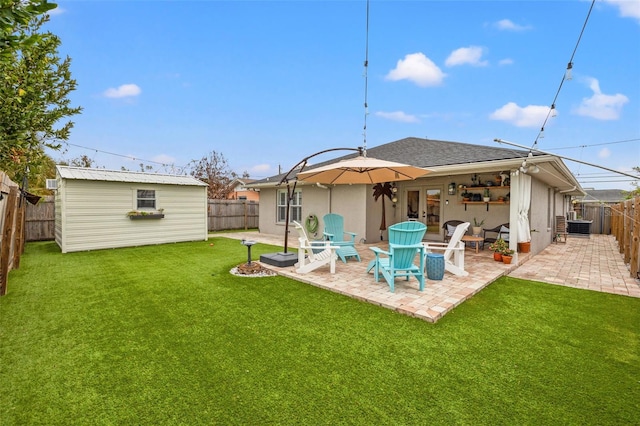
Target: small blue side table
[{"x": 435, "y": 266}]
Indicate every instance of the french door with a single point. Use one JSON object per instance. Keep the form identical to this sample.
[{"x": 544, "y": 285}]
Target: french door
[{"x": 424, "y": 205}]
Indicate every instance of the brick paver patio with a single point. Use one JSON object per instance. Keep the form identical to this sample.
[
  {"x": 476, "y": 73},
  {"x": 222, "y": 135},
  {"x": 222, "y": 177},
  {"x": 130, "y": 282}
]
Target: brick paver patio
[{"x": 590, "y": 263}]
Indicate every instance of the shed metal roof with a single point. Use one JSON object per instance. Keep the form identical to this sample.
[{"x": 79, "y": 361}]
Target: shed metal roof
[{"x": 81, "y": 173}]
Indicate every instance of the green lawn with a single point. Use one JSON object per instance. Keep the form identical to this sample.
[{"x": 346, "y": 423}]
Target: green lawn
[{"x": 165, "y": 335}]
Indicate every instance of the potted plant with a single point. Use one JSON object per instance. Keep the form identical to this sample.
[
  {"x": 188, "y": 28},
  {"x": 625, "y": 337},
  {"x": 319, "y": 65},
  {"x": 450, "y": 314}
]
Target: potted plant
[
  {"x": 498, "y": 247},
  {"x": 507, "y": 255},
  {"x": 486, "y": 195},
  {"x": 525, "y": 246},
  {"x": 466, "y": 196},
  {"x": 476, "y": 229}
]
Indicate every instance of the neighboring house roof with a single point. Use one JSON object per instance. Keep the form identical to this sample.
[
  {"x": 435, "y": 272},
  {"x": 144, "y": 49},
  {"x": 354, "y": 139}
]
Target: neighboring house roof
[
  {"x": 602, "y": 196},
  {"x": 240, "y": 183},
  {"x": 447, "y": 158},
  {"x": 81, "y": 173}
]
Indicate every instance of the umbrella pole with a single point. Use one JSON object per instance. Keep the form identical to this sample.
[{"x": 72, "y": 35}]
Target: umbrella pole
[
  {"x": 300, "y": 167},
  {"x": 286, "y": 224}
]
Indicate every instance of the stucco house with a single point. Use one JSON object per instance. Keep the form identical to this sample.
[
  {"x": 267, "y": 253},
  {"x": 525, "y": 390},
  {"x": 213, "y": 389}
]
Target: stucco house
[
  {"x": 242, "y": 190},
  {"x": 98, "y": 209},
  {"x": 455, "y": 169}
]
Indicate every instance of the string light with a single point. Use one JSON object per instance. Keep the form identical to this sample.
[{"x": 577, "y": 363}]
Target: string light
[
  {"x": 568, "y": 75},
  {"x": 565, "y": 77}
]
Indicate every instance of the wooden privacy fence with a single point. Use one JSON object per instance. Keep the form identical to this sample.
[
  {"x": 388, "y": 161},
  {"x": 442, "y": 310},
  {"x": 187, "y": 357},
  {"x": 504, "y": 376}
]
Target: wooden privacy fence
[
  {"x": 232, "y": 214},
  {"x": 600, "y": 217},
  {"x": 222, "y": 215},
  {"x": 625, "y": 226},
  {"x": 12, "y": 211},
  {"x": 40, "y": 220}
]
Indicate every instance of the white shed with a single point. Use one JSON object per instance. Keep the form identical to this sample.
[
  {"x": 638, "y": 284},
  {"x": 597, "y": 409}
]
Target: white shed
[{"x": 98, "y": 209}]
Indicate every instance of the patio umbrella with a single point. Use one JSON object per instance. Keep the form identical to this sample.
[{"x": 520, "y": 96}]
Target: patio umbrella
[{"x": 362, "y": 170}]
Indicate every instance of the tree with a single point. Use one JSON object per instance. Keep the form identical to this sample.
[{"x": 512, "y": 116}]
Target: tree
[
  {"x": 33, "y": 92},
  {"x": 82, "y": 161},
  {"x": 635, "y": 192},
  {"x": 382, "y": 190},
  {"x": 15, "y": 16},
  {"x": 215, "y": 172}
]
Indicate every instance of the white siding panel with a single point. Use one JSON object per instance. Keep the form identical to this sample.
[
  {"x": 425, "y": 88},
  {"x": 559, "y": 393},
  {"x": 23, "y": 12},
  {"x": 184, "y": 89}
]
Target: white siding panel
[
  {"x": 59, "y": 206},
  {"x": 95, "y": 215}
]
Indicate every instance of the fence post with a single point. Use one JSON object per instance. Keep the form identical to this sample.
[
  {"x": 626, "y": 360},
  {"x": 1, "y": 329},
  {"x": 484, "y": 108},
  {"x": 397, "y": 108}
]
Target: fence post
[
  {"x": 634, "y": 265},
  {"x": 626, "y": 229},
  {"x": 7, "y": 240},
  {"x": 246, "y": 225}
]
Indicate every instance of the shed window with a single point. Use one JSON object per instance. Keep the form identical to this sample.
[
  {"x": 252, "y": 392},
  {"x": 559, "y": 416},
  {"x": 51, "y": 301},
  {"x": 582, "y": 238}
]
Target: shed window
[
  {"x": 295, "y": 212},
  {"x": 146, "y": 199}
]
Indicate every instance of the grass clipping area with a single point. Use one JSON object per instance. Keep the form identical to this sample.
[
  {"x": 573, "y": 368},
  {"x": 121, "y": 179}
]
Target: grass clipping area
[{"x": 167, "y": 335}]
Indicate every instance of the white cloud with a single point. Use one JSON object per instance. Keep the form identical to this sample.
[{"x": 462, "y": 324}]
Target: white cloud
[
  {"x": 604, "y": 153},
  {"x": 506, "y": 61},
  {"x": 627, "y": 8},
  {"x": 124, "y": 91},
  {"x": 416, "y": 67},
  {"x": 471, "y": 55},
  {"x": 529, "y": 116},
  {"x": 398, "y": 116},
  {"x": 601, "y": 106},
  {"x": 508, "y": 25}
]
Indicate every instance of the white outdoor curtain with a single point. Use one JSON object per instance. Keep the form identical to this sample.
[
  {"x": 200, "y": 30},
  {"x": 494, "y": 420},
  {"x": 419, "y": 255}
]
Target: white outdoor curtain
[{"x": 524, "y": 202}]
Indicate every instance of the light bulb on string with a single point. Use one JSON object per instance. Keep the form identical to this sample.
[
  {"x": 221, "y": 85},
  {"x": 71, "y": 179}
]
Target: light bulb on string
[{"x": 569, "y": 75}]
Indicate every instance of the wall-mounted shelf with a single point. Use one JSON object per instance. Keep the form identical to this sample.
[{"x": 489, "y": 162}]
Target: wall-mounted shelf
[
  {"x": 482, "y": 188},
  {"x": 483, "y": 202},
  {"x": 472, "y": 188}
]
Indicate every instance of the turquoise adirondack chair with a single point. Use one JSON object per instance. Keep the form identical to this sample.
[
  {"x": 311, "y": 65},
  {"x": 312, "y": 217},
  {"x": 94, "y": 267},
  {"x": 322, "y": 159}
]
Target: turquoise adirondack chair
[
  {"x": 405, "y": 245},
  {"x": 334, "y": 232}
]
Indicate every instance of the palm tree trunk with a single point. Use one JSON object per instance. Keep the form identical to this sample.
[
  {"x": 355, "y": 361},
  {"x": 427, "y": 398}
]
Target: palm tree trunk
[{"x": 383, "y": 224}]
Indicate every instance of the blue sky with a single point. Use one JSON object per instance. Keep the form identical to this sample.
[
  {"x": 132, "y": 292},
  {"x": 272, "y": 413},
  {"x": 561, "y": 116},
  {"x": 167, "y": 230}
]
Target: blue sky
[{"x": 267, "y": 83}]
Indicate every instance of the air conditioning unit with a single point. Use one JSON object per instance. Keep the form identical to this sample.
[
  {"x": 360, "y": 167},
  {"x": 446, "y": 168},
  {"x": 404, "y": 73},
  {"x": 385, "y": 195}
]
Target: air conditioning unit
[{"x": 52, "y": 184}]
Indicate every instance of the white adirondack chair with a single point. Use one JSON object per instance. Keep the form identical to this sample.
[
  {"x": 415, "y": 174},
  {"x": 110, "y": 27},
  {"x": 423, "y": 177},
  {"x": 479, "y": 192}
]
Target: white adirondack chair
[
  {"x": 314, "y": 254},
  {"x": 453, "y": 251}
]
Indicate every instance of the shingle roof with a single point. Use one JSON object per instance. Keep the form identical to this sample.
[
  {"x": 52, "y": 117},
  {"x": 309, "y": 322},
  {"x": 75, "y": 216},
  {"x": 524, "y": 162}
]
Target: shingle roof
[
  {"x": 427, "y": 153},
  {"x": 430, "y": 153},
  {"x": 81, "y": 173},
  {"x": 602, "y": 195}
]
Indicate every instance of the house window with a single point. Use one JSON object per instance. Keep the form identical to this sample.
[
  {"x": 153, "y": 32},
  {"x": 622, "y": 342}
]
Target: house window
[
  {"x": 146, "y": 199},
  {"x": 295, "y": 212}
]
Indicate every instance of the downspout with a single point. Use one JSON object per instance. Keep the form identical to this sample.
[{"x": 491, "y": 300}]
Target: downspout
[{"x": 564, "y": 204}]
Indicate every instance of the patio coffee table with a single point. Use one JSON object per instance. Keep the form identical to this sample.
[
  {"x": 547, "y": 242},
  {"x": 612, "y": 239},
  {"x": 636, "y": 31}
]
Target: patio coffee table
[{"x": 473, "y": 239}]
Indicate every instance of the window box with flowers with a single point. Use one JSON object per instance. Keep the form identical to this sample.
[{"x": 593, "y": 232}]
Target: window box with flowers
[{"x": 141, "y": 214}]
